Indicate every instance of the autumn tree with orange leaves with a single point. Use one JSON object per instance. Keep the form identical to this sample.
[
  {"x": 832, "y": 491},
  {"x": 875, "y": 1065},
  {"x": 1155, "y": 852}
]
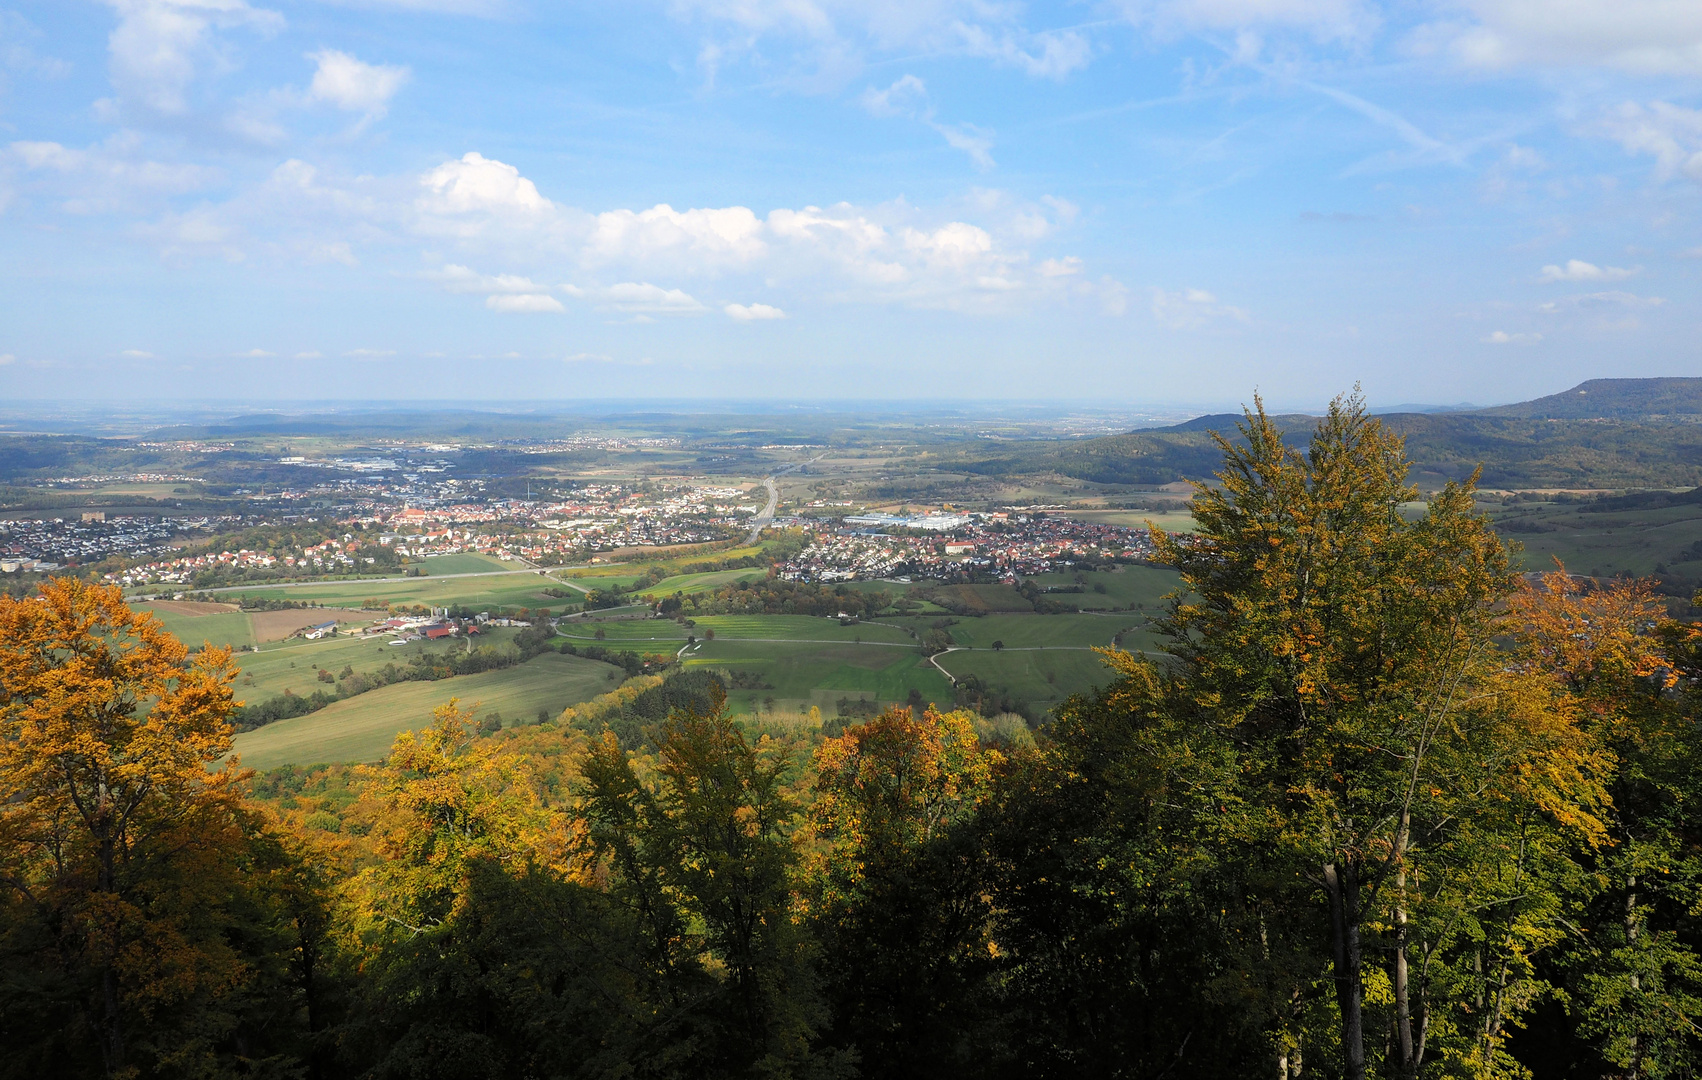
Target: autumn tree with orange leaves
[{"x": 125, "y": 854}]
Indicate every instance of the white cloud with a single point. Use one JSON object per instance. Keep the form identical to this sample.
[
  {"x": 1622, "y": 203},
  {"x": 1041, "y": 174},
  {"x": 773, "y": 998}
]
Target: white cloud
[
  {"x": 476, "y": 213},
  {"x": 603, "y": 358},
  {"x": 1191, "y": 309},
  {"x": 1502, "y": 337},
  {"x": 7, "y": 358},
  {"x": 460, "y": 279},
  {"x": 1671, "y": 134},
  {"x": 731, "y": 236},
  {"x": 158, "y": 44},
  {"x": 753, "y": 312},
  {"x": 136, "y": 354},
  {"x": 1324, "y": 20},
  {"x": 524, "y": 302},
  {"x": 1611, "y": 299},
  {"x": 369, "y": 354},
  {"x": 970, "y": 139},
  {"x": 1047, "y": 55},
  {"x": 907, "y": 96},
  {"x": 1578, "y": 270},
  {"x": 254, "y": 354},
  {"x": 1642, "y": 36},
  {"x": 640, "y": 298},
  {"x": 107, "y": 177},
  {"x": 348, "y": 83},
  {"x": 835, "y": 36},
  {"x": 310, "y": 354},
  {"x": 476, "y": 184},
  {"x": 17, "y": 56}
]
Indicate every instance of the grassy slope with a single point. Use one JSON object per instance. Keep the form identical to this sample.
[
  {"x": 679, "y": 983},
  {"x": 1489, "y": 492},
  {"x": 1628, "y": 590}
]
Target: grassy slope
[
  {"x": 1662, "y": 542},
  {"x": 229, "y": 628},
  {"x": 1141, "y": 587},
  {"x": 519, "y": 589},
  {"x": 362, "y": 728},
  {"x": 694, "y": 583},
  {"x": 464, "y": 563},
  {"x": 290, "y": 665}
]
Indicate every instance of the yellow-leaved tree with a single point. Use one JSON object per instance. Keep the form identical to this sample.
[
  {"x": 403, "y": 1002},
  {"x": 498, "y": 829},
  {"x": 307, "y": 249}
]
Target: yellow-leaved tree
[
  {"x": 898, "y": 886},
  {"x": 120, "y": 848}
]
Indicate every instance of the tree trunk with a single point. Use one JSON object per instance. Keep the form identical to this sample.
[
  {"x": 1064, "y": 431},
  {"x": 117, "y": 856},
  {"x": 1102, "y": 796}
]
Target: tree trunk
[
  {"x": 1409, "y": 1053},
  {"x": 112, "y": 1015},
  {"x": 1342, "y": 883}
]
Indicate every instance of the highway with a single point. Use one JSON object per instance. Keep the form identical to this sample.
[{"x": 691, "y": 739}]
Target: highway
[{"x": 766, "y": 517}]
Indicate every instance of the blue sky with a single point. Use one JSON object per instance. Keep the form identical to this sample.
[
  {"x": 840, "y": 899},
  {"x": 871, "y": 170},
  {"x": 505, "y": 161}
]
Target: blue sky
[{"x": 1135, "y": 202}]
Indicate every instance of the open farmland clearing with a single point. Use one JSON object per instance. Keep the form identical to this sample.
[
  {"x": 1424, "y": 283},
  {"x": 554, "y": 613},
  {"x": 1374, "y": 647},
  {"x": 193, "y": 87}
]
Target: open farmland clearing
[{"x": 362, "y": 728}]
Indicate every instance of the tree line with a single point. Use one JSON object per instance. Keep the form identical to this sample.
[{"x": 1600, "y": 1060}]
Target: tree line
[{"x": 1384, "y": 807}]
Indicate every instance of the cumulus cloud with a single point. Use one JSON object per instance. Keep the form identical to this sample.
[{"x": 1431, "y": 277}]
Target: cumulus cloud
[
  {"x": 369, "y": 354},
  {"x": 461, "y": 279},
  {"x": 350, "y": 84},
  {"x": 1578, "y": 270},
  {"x": 753, "y": 312},
  {"x": 1642, "y": 36},
  {"x": 476, "y": 184},
  {"x": 254, "y": 354},
  {"x": 524, "y": 302},
  {"x": 1502, "y": 337},
  {"x": 7, "y": 358},
  {"x": 310, "y": 354},
  {"x": 491, "y": 232},
  {"x": 639, "y": 298},
  {"x": 1191, "y": 309},
  {"x": 136, "y": 354},
  {"x": 731, "y": 236},
  {"x": 158, "y": 45}
]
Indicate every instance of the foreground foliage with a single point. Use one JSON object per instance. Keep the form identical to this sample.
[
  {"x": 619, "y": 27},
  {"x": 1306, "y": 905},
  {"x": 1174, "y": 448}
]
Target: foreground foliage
[{"x": 1385, "y": 808}]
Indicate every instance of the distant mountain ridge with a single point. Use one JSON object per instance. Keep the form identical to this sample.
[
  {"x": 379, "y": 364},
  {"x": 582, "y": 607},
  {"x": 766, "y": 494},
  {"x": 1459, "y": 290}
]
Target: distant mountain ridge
[
  {"x": 1647, "y": 400},
  {"x": 1614, "y": 399},
  {"x": 1654, "y": 440}
]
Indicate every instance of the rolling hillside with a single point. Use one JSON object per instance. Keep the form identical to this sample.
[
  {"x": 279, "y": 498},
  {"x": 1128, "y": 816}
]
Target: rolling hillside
[{"x": 1603, "y": 434}]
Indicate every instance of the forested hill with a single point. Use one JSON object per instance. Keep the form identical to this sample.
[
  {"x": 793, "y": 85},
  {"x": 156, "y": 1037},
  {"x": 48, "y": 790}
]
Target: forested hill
[
  {"x": 1614, "y": 399},
  {"x": 1635, "y": 433}
]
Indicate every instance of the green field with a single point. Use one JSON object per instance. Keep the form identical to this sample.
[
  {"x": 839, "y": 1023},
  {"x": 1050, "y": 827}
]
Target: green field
[
  {"x": 1169, "y": 521},
  {"x": 227, "y": 628},
  {"x": 463, "y": 563},
  {"x": 1041, "y": 678},
  {"x": 801, "y": 674},
  {"x": 514, "y": 589},
  {"x": 1140, "y": 587},
  {"x": 1632, "y": 541},
  {"x": 695, "y": 583},
  {"x": 292, "y": 665},
  {"x": 362, "y": 728},
  {"x": 1028, "y": 631}
]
